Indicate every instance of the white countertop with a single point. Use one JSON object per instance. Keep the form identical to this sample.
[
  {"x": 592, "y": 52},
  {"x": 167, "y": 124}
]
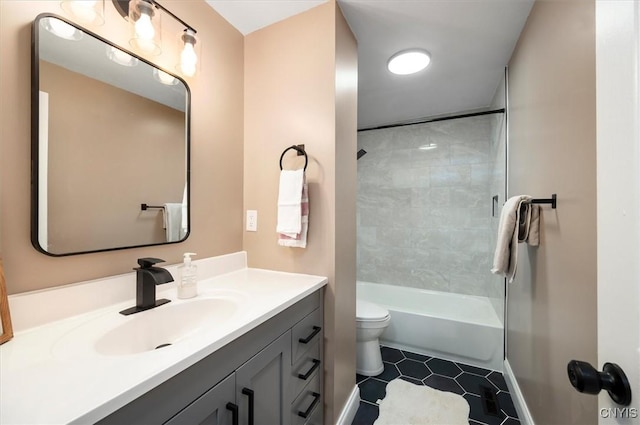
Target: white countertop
[{"x": 45, "y": 379}]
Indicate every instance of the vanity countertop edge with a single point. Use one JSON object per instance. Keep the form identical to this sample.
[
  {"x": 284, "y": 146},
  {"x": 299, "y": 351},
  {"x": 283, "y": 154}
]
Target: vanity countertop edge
[{"x": 38, "y": 384}]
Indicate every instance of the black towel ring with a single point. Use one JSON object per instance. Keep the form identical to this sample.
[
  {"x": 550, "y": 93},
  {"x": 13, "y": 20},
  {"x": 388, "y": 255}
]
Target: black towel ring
[{"x": 300, "y": 151}]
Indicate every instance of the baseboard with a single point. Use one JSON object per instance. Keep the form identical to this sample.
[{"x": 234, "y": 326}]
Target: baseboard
[
  {"x": 516, "y": 395},
  {"x": 350, "y": 408}
]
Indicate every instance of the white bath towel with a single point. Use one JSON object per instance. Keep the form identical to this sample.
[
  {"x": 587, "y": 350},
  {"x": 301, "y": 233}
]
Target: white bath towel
[
  {"x": 290, "y": 202},
  {"x": 519, "y": 222},
  {"x": 172, "y": 215}
]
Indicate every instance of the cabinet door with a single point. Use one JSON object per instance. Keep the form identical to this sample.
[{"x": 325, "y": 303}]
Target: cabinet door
[
  {"x": 262, "y": 385},
  {"x": 215, "y": 407}
]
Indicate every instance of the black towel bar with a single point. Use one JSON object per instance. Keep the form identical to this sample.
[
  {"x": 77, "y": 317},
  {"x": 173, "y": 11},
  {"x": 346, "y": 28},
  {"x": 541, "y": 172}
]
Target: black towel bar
[
  {"x": 300, "y": 150},
  {"x": 144, "y": 207},
  {"x": 551, "y": 201}
]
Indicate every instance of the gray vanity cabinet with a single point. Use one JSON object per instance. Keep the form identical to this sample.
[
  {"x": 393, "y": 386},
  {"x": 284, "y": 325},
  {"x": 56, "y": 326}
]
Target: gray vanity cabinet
[
  {"x": 273, "y": 371},
  {"x": 212, "y": 408},
  {"x": 259, "y": 388},
  {"x": 262, "y": 385}
]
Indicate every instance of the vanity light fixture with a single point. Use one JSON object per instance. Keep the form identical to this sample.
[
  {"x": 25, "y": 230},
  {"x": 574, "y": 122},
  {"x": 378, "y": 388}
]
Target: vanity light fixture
[
  {"x": 121, "y": 57},
  {"x": 146, "y": 26},
  {"x": 86, "y": 11},
  {"x": 188, "y": 56},
  {"x": 409, "y": 61},
  {"x": 144, "y": 17},
  {"x": 61, "y": 29},
  {"x": 164, "y": 78}
]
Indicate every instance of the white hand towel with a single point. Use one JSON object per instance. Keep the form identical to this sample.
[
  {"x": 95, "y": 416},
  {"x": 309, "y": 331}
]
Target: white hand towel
[
  {"x": 290, "y": 202},
  {"x": 184, "y": 221},
  {"x": 172, "y": 221},
  {"x": 519, "y": 222},
  {"x": 299, "y": 240}
]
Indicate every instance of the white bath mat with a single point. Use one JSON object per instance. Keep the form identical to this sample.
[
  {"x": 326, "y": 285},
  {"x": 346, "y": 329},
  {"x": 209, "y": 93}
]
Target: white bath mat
[{"x": 410, "y": 404}]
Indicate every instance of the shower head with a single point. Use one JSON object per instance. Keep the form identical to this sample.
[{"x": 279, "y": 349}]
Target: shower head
[{"x": 361, "y": 153}]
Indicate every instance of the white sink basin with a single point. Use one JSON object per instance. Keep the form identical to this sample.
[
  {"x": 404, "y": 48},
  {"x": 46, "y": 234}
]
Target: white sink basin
[
  {"x": 115, "y": 335},
  {"x": 167, "y": 324}
]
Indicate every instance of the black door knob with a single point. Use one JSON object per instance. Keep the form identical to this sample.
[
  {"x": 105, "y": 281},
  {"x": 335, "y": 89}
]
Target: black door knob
[{"x": 586, "y": 379}]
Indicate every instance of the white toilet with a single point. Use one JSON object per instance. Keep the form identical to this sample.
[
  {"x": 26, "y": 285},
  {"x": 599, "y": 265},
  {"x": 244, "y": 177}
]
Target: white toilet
[{"x": 371, "y": 321}]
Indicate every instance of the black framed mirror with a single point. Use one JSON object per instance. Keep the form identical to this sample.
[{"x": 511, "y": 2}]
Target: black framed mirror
[{"x": 110, "y": 145}]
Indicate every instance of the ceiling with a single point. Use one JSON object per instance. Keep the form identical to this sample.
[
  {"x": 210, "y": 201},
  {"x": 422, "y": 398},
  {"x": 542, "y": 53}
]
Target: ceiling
[
  {"x": 248, "y": 16},
  {"x": 470, "y": 42}
]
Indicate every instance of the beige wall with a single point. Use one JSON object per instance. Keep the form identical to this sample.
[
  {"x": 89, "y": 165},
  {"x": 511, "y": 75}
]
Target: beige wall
[
  {"x": 343, "y": 327},
  {"x": 552, "y": 147},
  {"x": 300, "y": 87},
  {"x": 97, "y": 178},
  {"x": 216, "y": 145}
]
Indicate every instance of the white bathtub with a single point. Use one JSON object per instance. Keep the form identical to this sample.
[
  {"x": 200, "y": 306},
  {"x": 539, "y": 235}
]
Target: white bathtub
[{"x": 462, "y": 328}]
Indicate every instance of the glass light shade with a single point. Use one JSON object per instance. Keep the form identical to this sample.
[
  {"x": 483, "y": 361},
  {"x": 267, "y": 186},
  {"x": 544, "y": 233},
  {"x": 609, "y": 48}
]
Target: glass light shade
[
  {"x": 409, "y": 61},
  {"x": 121, "y": 57},
  {"x": 146, "y": 28},
  {"x": 86, "y": 11},
  {"x": 188, "y": 64},
  {"x": 164, "y": 78},
  {"x": 61, "y": 28}
]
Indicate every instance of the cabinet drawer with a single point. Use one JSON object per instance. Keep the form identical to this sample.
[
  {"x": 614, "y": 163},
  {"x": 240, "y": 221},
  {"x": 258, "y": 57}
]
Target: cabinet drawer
[
  {"x": 305, "y": 408},
  {"x": 305, "y": 369},
  {"x": 316, "y": 416},
  {"x": 305, "y": 333}
]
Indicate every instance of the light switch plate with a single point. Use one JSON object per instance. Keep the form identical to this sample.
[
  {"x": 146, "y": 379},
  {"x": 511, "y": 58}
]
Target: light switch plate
[{"x": 252, "y": 221}]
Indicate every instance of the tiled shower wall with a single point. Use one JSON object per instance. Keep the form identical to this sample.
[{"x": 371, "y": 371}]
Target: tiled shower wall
[{"x": 424, "y": 215}]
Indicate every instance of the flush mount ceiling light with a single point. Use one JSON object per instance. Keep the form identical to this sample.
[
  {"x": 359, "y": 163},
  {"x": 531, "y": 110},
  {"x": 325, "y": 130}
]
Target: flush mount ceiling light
[{"x": 409, "y": 61}]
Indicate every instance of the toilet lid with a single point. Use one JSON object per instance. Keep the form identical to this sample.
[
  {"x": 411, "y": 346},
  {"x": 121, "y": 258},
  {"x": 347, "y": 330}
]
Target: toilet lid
[{"x": 370, "y": 311}]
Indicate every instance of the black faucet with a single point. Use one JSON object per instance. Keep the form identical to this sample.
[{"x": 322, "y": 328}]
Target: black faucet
[{"x": 147, "y": 277}]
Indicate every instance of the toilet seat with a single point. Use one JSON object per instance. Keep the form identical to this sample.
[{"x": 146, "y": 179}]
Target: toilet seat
[{"x": 370, "y": 312}]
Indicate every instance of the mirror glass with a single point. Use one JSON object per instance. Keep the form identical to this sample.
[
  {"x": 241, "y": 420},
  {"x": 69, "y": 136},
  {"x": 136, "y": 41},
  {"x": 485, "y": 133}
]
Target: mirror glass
[{"x": 110, "y": 132}]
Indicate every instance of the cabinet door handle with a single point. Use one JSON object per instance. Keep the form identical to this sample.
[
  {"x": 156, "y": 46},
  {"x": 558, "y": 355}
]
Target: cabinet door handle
[
  {"x": 234, "y": 412},
  {"x": 306, "y": 413},
  {"x": 249, "y": 394},
  {"x": 315, "y": 365},
  {"x": 316, "y": 330}
]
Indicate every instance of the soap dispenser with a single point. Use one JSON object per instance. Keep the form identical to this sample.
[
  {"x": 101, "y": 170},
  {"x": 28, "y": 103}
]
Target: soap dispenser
[{"x": 188, "y": 285}]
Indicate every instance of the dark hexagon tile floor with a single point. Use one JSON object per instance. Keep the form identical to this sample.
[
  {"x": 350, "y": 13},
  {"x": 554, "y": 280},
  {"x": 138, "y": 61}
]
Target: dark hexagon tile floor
[
  {"x": 389, "y": 373},
  {"x": 468, "y": 381},
  {"x": 413, "y": 369},
  {"x": 391, "y": 355},
  {"x": 443, "y": 383}
]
